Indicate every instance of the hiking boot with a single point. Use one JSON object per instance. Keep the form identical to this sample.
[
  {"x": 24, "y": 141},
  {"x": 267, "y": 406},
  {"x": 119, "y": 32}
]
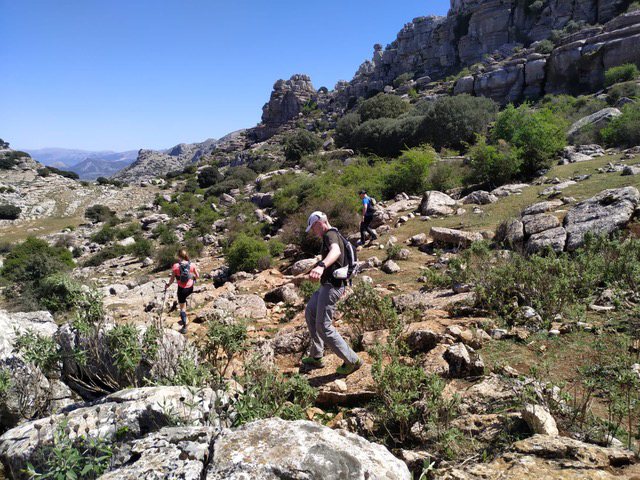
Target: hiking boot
[
  {"x": 349, "y": 368},
  {"x": 313, "y": 362},
  {"x": 183, "y": 330},
  {"x": 374, "y": 237}
]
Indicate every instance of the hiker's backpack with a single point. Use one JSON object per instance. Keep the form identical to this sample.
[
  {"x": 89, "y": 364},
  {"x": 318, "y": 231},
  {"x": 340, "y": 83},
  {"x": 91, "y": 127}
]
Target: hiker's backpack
[
  {"x": 185, "y": 272},
  {"x": 372, "y": 205},
  {"x": 350, "y": 269}
]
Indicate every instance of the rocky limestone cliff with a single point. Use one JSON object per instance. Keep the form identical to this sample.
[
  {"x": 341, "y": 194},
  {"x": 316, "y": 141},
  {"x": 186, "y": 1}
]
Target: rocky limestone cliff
[
  {"x": 151, "y": 163},
  {"x": 286, "y": 102},
  {"x": 437, "y": 46}
]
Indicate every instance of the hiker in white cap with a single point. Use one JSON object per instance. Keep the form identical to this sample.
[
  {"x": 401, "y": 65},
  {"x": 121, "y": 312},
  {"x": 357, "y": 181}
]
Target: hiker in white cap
[{"x": 319, "y": 312}]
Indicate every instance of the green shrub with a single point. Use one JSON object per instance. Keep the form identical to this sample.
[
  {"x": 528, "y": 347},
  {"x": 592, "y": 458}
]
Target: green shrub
[
  {"x": 308, "y": 288},
  {"x": 64, "y": 173},
  {"x": 493, "y": 165},
  {"x": 222, "y": 344},
  {"x": 620, "y": 90},
  {"x": 621, "y": 73},
  {"x": 444, "y": 176},
  {"x": 454, "y": 121},
  {"x": 410, "y": 173},
  {"x": 538, "y": 134},
  {"x": 247, "y": 254},
  {"x": 545, "y": 46},
  {"x": 82, "y": 457},
  {"x": 382, "y": 106},
  {"x": 345, "y": 128},
  {"x": 32, "y": 260},
  {"x": 105, "y": 254},
  {"x": 43, "y": 172},
  {"x": 165, "y": 256},
  {"x": 61, "y": 293},
  {"x": 208, "y": 176},
  {"x": 372, "y": 136},
  {"x": 165, "y": 234},
  {"x": 6, "y": 163},
  {"x": 105, "y": 235},
  {"x": 402, "y": 79},
  {"x": 142, "y": 248},
  {"x": 9, "y": 212},
  {"x": 623, "y": 131},
  {"x": 276, "y": 247},
  {"x": 224, "y": 186},
  {"x": 536, "y": 6},
  {"x": 299, "y": 144},
  {"x": 267, "y": 393},
  {"x": 127, "y": 349},
  {"x": 367, "y": 310},
  {"x": 39, "y": 350},
  {"x": 5, "y": 382},
  {"x": 109, "y": 181},
  {"x": 99, "y": 213}
]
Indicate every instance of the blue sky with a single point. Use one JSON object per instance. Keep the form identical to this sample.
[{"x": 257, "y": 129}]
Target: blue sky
[{"x": 129, "y": 74}]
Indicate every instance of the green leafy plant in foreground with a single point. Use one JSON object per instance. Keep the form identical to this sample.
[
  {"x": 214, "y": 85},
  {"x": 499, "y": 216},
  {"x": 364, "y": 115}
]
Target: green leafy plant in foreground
[{"x": 70, "y": 459}]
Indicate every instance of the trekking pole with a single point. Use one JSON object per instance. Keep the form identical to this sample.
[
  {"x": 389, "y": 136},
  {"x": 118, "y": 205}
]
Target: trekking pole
[{"x": 164, "y": 299}]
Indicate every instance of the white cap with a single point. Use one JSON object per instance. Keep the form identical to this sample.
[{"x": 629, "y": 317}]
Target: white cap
[{"x": 313, "y": 218}]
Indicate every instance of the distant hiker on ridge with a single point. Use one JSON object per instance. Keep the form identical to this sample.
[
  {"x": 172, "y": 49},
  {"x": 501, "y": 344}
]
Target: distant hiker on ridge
[
  {"x": 185, "y": 273},
  {"x": 322, "y": 304},
  {"x": 367, "y": 215}
]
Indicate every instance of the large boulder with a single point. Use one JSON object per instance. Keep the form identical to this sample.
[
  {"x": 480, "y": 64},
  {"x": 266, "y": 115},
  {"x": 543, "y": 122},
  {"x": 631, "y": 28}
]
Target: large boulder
[
  {"x": 554, "y": 238},
  {"x": 597, "y": 120},
  {"x": 451, "y": 236},
  {"x": 600, "y": 215},
  {"x": 547, "y": 457},
  {"x": 539, "y": 223},
  {"x": 242, "y": 306},
  {"x": 136, "y": 411},
  {"x": 480, "y": 197},
  {"x": 435, "y": 203},
  {"x": 300, "y": 450},
  {"x": 172, "y": 452}
]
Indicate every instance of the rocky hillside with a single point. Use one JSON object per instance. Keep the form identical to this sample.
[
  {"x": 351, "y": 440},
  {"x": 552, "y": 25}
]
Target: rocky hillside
[{"x": 49, "y": 202}]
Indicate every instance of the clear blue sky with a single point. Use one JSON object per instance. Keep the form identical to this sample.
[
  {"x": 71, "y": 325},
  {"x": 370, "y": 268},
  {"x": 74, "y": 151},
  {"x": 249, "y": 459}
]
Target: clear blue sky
[{"x": 129, "y": 74}]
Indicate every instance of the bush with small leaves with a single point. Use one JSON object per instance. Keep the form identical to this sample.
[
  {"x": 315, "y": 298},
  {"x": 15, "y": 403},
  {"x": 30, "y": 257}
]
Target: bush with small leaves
[
  {"x": 382, "y": 106},
  {"x": 221, "y": 344},
  {"x": 493, "y": 165},
  {"x": 308, "y": 288},
  {"x": 538, "y": 134},
  {"x": 40, "y": 350},
  {"x": 455, "y": 121},
  {"x": 9, "y": 212},
  {"x": 410, "y": 172},
  {"x": 267, "y": 393},
  {"x": 299, "y": 144},
  {"x": 99, "y": 213},
  {"x": 208, "y": 176},
  {"x": 621, "y": 73},
  {"x": 345, "y": 128},
  {"x": 623, "y": 131},
  {"x": 367, "y": 310},
  {"x": 32, "y": 260},
  {"x": 245, "y": 253},
  {"x": 545, "y": 46}
]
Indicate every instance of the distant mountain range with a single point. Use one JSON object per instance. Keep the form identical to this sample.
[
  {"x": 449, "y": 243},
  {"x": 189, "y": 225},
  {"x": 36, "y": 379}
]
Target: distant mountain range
[{"x": 88, "y": 164}]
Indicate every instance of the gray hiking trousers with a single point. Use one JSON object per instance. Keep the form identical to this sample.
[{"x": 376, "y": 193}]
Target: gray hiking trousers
[{"x": 319, "y": 315}]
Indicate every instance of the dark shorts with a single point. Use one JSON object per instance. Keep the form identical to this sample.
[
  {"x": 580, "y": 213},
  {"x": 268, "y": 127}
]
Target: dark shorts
[{"x": 183, "y": 293}]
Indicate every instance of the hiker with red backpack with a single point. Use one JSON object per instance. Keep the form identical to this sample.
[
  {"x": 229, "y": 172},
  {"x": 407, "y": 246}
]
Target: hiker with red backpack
[
  {"x": 337, "y": 253},
  {"x": 185, "y": 273}
]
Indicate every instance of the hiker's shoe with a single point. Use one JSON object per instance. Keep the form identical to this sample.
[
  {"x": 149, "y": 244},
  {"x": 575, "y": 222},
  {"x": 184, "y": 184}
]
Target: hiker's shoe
[
  {"x": 183, "y": 330},
  {"x": 374, "y": 237},
  {"x": 349, "y": 368},
  {"x": 313, "y": 362}
]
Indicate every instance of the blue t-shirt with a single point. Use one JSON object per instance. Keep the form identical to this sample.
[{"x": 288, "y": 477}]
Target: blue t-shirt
[{"x": 367, "y": 201}]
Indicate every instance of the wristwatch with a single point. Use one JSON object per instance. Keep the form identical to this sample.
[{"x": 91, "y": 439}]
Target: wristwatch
[{"x": 321, "y": 264}]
